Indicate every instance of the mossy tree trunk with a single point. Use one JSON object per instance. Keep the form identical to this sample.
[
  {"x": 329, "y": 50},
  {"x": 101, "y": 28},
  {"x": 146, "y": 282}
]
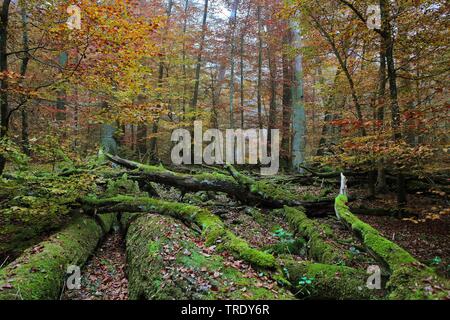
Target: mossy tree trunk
[
  {"x": 39, "y": 273},
  {"x": 409, "y": 279},
  {"x": 165, "y": 262}
]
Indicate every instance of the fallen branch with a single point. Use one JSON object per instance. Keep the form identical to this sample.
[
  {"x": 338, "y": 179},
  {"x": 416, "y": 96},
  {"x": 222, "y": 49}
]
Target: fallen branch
[
  {"x": 238, "y": 186},
  {"x": 409, "y": 278}
]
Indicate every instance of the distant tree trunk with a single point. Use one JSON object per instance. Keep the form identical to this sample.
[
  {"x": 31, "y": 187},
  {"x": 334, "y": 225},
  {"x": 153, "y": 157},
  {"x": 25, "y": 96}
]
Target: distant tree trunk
[
  {"x": 345, "y": 69},
  {"x": 382, "y": 80},
  {"x": 232, "y": 64},
  {"x": 186, "y": 6},
  {"x": 108, "y": 142},
  {"x": 327, "y": 130},
  {"x": 153, "y": 152},
  {"x": 4, "y": 122},
  {"x": 273, "y": 92},
  {"x": 242, "y": 78},
  {"x": 392, "y": 75},
  {"x": 23, "y": 70},
  {"x": 259, "y": 89},
  {"x": 299, "y": 119},
  {"x": 61, "y": 98},
  {"x": 287, "y": 98},
  {"x": 199, "y": 59}
]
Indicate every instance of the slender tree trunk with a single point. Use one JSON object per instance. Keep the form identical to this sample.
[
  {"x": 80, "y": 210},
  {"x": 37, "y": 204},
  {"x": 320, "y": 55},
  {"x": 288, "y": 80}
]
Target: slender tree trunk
[
  {"x": 382, "y": 80},
  {"x": 242, "y": 78},
  {"x": 23, "y": 70},
  {"x": 4, "y": 122},
  {"x": 259, "y": 89},
  {"x": 186, "y": 6},
  {"x": 199, "y": 58},
  {"x": 232, "y": 64},
  {"x": 344, "y": 67},
  {"x": 393, "y": 93},
  {"x": 273, "y": 92},
  {"x": 287, "y": 99},
  {"x": 61, "y": 114},
  {"x": 299, "y": 120}
]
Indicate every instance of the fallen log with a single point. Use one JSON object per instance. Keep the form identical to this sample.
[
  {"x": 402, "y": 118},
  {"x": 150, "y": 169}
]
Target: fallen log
[
  {"x": 318, "y": 235},
  {"x": 325, "y": 281},
  {"x": 409, "y": 279},
  {"x": 165, "y": 262},
  {"x": 380, "y": 212},
  {"x": 212, "y": 227},
  {"x": 238, "y": 186},
  {"x": 39, "y": 273}
]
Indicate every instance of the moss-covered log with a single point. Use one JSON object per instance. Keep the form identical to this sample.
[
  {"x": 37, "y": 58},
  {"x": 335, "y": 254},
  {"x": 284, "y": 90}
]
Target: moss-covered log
[
  {"x": 324, "y": 281},
  {"x": 165, "y": 262},
  {"x": 38, "y": 274},
  {"x": 409, "y": 278},
  {"x": 238, "y": 186},
  {"x": 318, "y": 235},
  {"x": 212, "y": 227}
]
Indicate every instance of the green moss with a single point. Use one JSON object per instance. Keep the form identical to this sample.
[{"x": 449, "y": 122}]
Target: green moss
[
  {"x": 291, "y": 246},
  {"x": 106, "y": 221},
  {"x": 39, "y": 272},
  {"x": 155, "y": 259},
  {"x": 268, "y": 190},
  {"x": 317, "y": 235},
  {"x": 213, "y": 228},
  {"x": 328, "y": 281},
  {"x": 409, "y": 278},
  {"x": 35, "y": 204}
]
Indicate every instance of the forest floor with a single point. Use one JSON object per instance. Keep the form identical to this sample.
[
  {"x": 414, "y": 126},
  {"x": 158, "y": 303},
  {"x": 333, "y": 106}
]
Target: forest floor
[
  {"x": 104, "y": 275},
  {"x": 426, "y": 237}
]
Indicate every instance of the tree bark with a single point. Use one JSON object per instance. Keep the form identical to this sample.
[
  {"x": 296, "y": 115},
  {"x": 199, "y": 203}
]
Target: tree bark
[
  {"x": 299, "y": 116},
  {"x": 199, "y": 58},
  {"x": 4, "y": 109}
]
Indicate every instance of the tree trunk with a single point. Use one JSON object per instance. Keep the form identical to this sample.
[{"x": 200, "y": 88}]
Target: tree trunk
[
  {"x": 393, "y": 93},
  {"x": 4, "y": 121},
  {"x": 287, "y": 99},
  {"x": 23, "y": 70},
  {"x": 299, "y": 119},
  {"x": 199, "y": 59},
  {"x": 382, "y": 80},
  {"x": 259, "y": 88}
]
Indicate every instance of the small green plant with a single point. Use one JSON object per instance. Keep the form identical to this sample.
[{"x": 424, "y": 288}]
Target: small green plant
[
  {"x": 354, "y": 251},
  {"x": 305, "y": 284},
  {"x": 436, "y": 261},
  {"x": 282, "y": 234}
]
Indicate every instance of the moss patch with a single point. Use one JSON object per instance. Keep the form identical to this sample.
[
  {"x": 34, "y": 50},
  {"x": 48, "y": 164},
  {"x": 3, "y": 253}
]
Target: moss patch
[
  {"x": 317, "y": 235},
  {"x": 409, "y": 279},
  {"x": 323, "y": 281},
  {"x": 213, "y": 228},
  {"x": 165, "y": 262},
  {"x": 38, "y": 274}
]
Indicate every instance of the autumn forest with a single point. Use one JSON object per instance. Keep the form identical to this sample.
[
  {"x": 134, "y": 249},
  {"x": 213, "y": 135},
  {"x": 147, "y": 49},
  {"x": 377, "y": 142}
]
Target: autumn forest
[{"x": 224, "y": 150}]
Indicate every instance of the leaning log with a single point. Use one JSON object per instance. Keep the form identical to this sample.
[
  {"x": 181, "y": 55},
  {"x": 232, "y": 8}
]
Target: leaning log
[
  {"x": 165, "y": 262},
  {"x": 409, "y": 279},
  {"x": 39, "y": 273}
]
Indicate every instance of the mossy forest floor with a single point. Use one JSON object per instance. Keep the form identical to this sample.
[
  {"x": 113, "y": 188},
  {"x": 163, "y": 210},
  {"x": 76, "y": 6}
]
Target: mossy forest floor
[{"x": 29, "y": 215}]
